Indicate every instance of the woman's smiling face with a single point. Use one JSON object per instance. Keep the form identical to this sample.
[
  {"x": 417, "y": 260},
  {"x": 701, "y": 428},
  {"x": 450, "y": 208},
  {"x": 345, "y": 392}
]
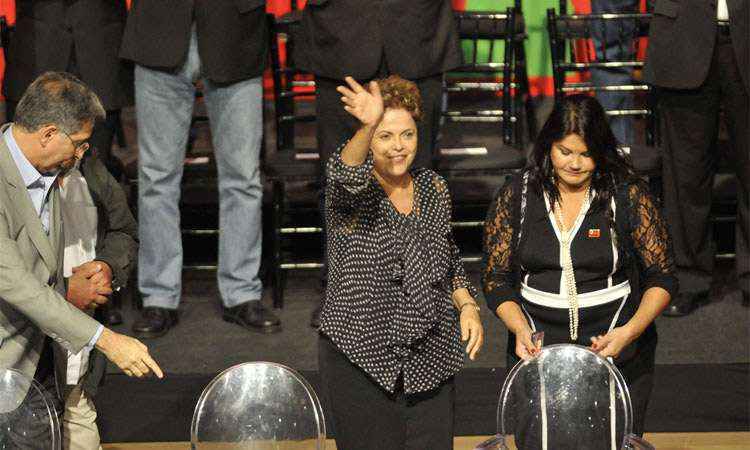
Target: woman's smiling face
[{"x": 394, "y": 144}]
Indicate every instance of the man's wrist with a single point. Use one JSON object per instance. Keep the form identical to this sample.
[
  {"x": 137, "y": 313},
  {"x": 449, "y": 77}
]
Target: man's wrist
[
  {"x": 115, "y": 282},
  {"x": 102, "y": 343}
]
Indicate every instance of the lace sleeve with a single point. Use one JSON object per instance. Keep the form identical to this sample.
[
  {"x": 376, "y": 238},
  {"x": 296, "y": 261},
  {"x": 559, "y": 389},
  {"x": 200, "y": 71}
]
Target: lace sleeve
[
  {"x": 498, "y": 275},
  {"x": 651, "y": 241}
]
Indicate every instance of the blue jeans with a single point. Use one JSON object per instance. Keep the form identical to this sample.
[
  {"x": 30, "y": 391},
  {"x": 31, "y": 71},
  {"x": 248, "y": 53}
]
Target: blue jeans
[
  {"x": 164, "y": 107},
  {"x": 608, "y": 39}
]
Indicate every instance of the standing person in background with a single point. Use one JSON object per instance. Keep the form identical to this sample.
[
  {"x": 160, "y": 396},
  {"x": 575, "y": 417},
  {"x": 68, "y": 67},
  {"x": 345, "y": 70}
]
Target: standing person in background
[
  {"x": 608, "y": 39},
  {"x": 81, "y": 37},
  {"x": 373, "y": 39},
  {"x": 174, "y": 44},
  {"x": 699, "y": 61},
  {"x": 101, "y": 238}
]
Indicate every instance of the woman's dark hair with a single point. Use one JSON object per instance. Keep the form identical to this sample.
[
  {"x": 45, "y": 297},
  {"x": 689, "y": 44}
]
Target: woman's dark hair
[{"x": 582, "y": 115}]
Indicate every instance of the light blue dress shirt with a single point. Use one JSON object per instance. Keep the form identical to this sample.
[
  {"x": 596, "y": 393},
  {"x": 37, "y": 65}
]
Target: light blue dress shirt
[{"x": 38, "y": 187}]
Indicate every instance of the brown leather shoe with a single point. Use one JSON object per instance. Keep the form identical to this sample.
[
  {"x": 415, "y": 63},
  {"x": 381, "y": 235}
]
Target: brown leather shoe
[{"x": 253, "y": 316}]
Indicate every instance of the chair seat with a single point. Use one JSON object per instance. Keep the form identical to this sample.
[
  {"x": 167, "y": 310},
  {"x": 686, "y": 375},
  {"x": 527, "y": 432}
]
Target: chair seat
[
  {"x": 478, "y": 190},
  {"x": 292, "y": 165},
  {"x": 478, "y": 155},
  {"x": 646, "y": 159}
]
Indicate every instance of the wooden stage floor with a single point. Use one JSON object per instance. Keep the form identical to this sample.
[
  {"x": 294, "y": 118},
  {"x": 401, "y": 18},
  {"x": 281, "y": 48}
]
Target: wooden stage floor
[{"x": 662, "y": 441}]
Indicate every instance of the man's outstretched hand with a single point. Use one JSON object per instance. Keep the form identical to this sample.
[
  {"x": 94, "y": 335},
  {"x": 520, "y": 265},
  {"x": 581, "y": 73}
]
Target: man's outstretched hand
[{"x": 128, "y": 353}]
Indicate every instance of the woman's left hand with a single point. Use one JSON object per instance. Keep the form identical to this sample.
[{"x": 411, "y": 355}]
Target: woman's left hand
[
  {"x": 472, "y": 331},
  {"x": 612, "y": 343}
]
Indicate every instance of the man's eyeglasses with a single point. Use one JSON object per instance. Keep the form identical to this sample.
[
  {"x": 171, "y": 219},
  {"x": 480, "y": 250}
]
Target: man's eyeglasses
[{"x": 79, "y": 146}]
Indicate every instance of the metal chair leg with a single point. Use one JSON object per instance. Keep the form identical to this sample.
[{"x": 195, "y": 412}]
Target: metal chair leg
[{"x": 278, "y": 220}]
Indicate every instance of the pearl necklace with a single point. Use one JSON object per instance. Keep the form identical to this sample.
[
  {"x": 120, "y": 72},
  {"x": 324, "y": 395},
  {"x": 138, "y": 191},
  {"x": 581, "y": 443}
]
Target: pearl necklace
[{"x": 567, "y": 265}]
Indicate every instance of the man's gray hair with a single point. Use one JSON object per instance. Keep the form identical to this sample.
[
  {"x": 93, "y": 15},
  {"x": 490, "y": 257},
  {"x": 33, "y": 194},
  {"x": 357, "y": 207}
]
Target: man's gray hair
[{"x": 60, "y": 99}]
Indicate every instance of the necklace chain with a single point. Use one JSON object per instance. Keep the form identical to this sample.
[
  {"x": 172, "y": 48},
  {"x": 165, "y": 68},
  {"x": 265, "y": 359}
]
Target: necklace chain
[{"x": 567, "y": 264}]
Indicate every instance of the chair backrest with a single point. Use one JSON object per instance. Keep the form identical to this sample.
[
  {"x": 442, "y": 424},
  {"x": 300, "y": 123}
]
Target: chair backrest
[
  {"x": 27, "y": 414},
  {"x": 258, "y": 405},
  {"x": 291, "y": 84},
  {"x": 483, "y": 90},
  {"x": 611, "y": 41},
  {"x": 566, "y": 397}
]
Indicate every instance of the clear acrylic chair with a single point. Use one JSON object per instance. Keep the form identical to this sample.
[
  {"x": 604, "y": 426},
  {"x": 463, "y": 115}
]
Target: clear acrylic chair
[
  {"x": 258, "y": 406},
  {"x": 28, "y": 419},
  {"x": 565, "y": 398}
]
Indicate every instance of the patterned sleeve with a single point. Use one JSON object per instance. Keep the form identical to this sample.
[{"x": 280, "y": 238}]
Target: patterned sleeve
[
  {"x": 651, "y": 241},
  {"x": 498, "y": 276},
  {"x": 345, "y": 183},
  {"x": 459, "y": 279}
]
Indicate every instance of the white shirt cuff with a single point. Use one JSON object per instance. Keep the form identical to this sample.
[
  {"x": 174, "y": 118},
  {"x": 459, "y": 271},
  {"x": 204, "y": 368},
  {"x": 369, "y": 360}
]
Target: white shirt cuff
[{"x": 96, "y": 336}]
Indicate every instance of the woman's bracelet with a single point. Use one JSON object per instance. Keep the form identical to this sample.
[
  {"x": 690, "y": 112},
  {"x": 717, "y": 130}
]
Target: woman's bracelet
[{"x": 473, "y": 305}]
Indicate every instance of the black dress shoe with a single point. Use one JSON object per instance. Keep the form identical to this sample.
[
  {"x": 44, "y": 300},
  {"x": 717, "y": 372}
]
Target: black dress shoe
[
  {"x": 253, "y": 316},
  {"x": 154, "y": 322},
  {"x": 685, "y": 304},
  {"x": 315, "y": 317}
]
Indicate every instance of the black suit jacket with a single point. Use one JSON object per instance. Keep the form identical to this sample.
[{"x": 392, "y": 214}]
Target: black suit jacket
[
  {"x": 417, "y": 38},
  {"x": 682, "y": 37},
  {"x": 116, "y": 243},
  {"x": 49, "y": 32},
  {"x": 232, "y": 36}
]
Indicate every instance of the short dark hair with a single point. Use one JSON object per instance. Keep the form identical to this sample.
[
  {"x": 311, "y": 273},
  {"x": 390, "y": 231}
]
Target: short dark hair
[
  {"x": 582, "y": 115},
  {"x": 58, "y": 98}
]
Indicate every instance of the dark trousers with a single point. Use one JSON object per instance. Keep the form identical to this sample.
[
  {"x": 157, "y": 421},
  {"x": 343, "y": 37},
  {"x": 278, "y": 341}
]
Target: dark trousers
[
  {"x": 366, "y": 417},
  {"x": 609, "y": 38},
  {"x": 689, "y": 126}
]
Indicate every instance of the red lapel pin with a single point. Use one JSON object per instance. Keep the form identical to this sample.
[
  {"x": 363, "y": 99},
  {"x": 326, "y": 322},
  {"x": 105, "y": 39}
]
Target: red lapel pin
[{"x": 594, "y": 233}]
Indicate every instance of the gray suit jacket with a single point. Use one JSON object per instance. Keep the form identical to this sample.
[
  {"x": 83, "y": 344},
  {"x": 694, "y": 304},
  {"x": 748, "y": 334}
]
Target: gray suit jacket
[{"x": 32, "y": 301}]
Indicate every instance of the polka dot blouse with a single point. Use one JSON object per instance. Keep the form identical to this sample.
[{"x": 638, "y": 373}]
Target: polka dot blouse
[{"x": 391, "y": 276}]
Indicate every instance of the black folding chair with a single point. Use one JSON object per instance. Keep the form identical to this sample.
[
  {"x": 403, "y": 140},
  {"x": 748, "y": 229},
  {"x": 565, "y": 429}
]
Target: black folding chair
[
  {"x": 295, "y": 160},
  {"x": 574, "y": 55},
  {"x": 486, "y": 103}
]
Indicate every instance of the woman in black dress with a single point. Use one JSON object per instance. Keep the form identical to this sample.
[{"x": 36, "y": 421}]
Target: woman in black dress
[
  {"x": 575, "y": 246},
  {"x": 398, "y": 302}
]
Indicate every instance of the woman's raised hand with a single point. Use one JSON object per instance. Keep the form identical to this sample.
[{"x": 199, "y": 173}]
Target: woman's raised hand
[{"x": 366, "y": 106}]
